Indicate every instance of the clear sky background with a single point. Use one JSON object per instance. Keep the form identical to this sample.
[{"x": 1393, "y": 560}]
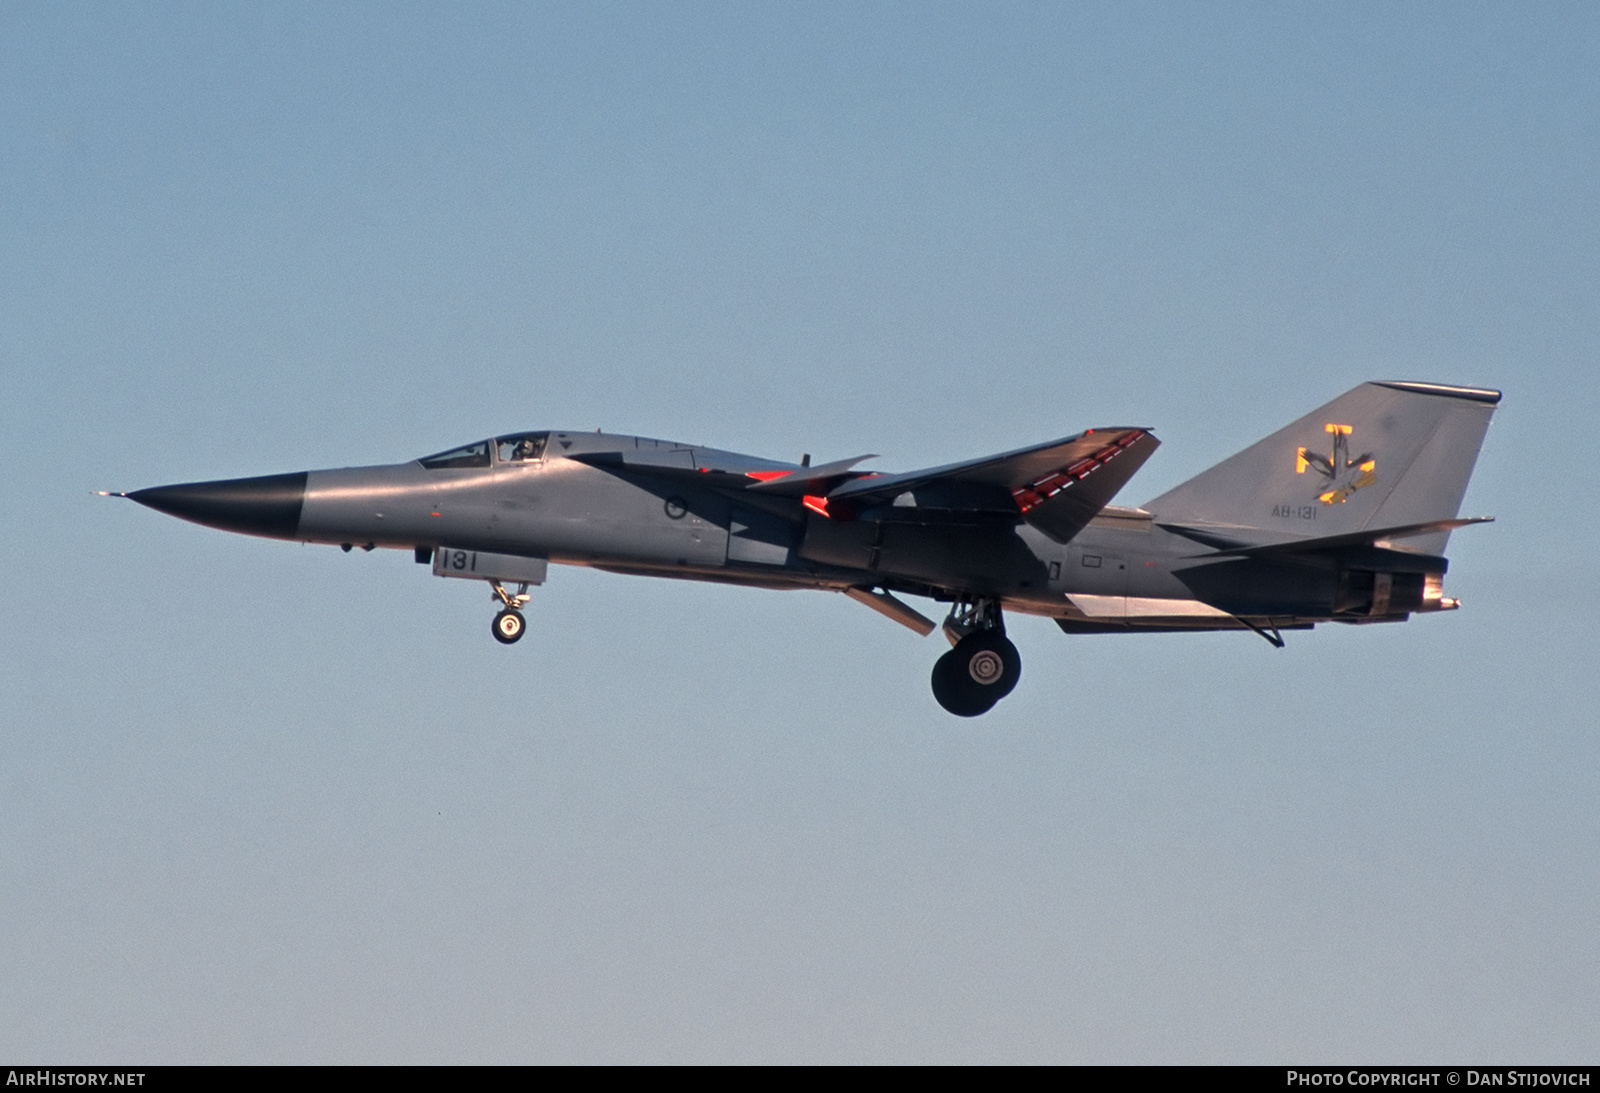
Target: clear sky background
[{"x": 263, "y": 802}]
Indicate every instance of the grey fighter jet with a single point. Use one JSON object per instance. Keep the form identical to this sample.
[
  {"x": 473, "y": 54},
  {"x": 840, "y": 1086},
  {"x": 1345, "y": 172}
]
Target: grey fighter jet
[{"x": 1342, "y": 516}]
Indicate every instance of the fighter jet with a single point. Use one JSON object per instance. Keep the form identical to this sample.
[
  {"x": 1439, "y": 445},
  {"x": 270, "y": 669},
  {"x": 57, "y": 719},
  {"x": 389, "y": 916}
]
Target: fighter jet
[{"x": 1293, "y": 531}]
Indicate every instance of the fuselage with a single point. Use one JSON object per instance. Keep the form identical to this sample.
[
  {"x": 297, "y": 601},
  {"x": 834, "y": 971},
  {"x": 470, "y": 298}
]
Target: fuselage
[
  {"x": 639, "y": 505},
  {"x": 1341, "y": 515}
]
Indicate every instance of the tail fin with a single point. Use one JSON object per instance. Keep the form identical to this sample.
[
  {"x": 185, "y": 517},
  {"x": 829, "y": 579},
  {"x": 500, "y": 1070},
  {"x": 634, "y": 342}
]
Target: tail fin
[{"x": 1384, "y": 455}]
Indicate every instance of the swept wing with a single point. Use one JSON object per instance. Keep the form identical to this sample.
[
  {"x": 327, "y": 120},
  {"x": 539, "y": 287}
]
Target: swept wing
[{"x": 1057, "y": 486}]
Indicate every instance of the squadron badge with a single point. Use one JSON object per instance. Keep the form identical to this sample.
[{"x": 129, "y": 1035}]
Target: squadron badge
[{"x": 1341, "y": 474}]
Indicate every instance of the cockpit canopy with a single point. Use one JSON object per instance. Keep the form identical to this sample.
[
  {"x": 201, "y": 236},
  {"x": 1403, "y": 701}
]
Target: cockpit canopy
[{"x": 516, "y": 448}]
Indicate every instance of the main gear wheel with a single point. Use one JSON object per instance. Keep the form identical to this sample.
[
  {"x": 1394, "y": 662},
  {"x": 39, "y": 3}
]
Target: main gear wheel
[{"x": 982, "y": 669}]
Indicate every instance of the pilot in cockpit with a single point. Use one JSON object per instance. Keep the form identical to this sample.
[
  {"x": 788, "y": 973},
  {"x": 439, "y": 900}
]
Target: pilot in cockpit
[{"x": 525, "y": 448}]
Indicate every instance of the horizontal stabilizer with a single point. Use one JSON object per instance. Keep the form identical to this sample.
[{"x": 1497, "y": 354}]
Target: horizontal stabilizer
[{"x": 1327, "y": 543}]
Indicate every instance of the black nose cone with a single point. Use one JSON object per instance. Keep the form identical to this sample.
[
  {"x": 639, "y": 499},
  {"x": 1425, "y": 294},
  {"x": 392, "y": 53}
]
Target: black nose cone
[{"x": 267, "y": 506}]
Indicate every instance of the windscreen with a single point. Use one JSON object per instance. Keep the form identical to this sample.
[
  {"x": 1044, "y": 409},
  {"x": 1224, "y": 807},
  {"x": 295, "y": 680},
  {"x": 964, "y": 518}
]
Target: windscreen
[{"x": 473, "y": 455}]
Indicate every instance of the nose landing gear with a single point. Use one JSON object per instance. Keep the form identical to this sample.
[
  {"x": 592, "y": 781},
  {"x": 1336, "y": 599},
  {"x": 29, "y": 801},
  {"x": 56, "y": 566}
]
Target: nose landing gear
[
  {"x": 509, "y": 625},
  {"x": 983, "y": 667}
]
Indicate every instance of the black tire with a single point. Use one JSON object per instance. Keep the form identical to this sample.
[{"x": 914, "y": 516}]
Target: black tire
[
  {"x": 509, "y": 627},
  {"x": 982, "y": 669},
  {"x": 954, "y": 689}
]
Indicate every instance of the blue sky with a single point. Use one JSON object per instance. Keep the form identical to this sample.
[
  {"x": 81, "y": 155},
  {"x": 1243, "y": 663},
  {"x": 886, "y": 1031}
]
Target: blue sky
[{"x": 269, "y": 802}]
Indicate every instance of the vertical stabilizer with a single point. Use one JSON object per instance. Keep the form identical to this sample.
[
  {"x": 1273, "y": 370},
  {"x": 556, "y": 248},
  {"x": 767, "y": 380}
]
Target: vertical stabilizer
[{"x": 1384, "y": 455}]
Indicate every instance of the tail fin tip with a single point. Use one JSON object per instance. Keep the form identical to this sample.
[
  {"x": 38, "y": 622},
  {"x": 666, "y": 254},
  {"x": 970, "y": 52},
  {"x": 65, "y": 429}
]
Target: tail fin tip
[{"x": 1476, "y": 394}]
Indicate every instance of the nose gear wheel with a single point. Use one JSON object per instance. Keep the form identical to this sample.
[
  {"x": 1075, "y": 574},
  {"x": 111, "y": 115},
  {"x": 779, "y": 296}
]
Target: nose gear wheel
[{"x": 509, "y": 626}]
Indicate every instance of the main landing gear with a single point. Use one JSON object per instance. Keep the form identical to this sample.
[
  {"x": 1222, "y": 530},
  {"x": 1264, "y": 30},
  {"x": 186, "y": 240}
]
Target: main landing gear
[
  {"x": 983, "y": 667},
  {"x": 509, "y": 624}
]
